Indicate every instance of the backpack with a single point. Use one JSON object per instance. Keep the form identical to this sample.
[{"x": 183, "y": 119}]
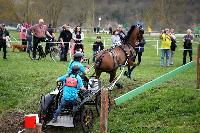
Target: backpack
[{"x": 71, "y": 81}]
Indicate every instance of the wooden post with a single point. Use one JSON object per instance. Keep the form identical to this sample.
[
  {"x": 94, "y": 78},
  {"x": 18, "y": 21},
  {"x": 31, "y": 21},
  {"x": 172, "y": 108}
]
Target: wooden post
[
  {"x": 104, "y": 111},
  {"x": 38, "y": 129},
  {"x": 198, "y": 67}
]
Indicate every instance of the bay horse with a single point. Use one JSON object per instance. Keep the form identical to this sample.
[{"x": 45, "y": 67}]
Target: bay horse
[{"x": 111, "y": 59}]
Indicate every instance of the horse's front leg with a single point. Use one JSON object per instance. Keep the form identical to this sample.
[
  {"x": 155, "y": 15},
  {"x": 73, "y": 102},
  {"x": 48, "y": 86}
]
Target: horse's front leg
[{"x": 112, "y": 77}]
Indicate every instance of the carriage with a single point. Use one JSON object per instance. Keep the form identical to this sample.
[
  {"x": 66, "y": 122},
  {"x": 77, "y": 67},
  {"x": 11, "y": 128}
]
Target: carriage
[{"x": 69, "y": 117}]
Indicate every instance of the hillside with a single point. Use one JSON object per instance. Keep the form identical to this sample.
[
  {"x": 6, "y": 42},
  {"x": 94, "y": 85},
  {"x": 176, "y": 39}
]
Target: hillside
[{"x": 180, "y": 14}]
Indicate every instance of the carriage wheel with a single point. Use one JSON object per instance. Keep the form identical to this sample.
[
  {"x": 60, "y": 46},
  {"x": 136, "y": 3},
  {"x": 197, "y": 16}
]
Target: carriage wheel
[
  {"x": 46, "y": 116},
  {"x": 55, "y": 54},
  {"x": 31, "y": 54},
  {"x": 87, "y": 119}
]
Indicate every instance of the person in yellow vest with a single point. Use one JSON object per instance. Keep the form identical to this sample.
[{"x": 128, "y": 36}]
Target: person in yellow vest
[
  {"x": 165, "y": 46},
  {"x": 149, "y": 30}
]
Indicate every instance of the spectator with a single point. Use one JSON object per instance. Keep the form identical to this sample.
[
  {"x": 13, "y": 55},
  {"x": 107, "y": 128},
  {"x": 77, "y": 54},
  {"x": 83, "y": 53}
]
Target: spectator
[
  {"x": 97, "y": 46},
  {"x": 116, "y": 41},
  {"x": 165, "y": 47},
  {"x": 39, "y": 33},
  {"x": 110, "y": 30},
  {"x": 78, "y": 37},
  {"x": 187, "y": 40},
  {"x": 95, "y": 29},
  {"x": 23, "y": 36},
  {"x": 121, "y": 33},
  {"x": 65, "y": 38},
  {"x": 49, "y": 39},
  {"x": 98, "y": 29},
  {"x": 140, "y": 50},
  {"x": 18, "y": 27},
  {"x": 4, "y": 35},
  {"x": 173, "y": 46},
  {"x": 29, "y": 39},
  {"x": 73, "y": 83}
]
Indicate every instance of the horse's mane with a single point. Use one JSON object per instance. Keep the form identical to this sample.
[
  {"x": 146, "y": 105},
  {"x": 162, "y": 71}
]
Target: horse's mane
[{"x": 129, "y": 33}]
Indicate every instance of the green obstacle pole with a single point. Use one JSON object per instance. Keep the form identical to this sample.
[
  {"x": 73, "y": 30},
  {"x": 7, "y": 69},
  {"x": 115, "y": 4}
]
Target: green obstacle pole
[{"x": 149, "y": 85}]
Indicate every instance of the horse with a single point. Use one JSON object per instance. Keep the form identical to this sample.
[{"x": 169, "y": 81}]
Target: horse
[{"x": 111, "y": 59}]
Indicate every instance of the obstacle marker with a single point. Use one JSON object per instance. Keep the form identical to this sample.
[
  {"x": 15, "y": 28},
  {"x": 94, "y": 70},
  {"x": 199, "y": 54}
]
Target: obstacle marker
[{"x": 149, "y": 85}]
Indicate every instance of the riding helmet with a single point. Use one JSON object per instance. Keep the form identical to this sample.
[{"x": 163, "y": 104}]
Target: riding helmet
[
  {"x": 75, "y": 68},
  {"x": 78, "y": 55}
]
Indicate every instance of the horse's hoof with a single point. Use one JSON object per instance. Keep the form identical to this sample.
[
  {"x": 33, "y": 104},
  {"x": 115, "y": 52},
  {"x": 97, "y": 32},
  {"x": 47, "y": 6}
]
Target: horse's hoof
[
  {"x": 125, "y": 73},
  {"x": 119, "y": 86}
]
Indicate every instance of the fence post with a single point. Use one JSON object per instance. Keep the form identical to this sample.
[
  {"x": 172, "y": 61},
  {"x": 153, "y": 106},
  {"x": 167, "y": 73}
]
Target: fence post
[
  {"x": 104, "y": 111},
  {"x": 104, "y": 42},
  {"x": 157, "y": 46},
  {"x": 198, "y": 67},
  {"x": 38, "y": 129}
]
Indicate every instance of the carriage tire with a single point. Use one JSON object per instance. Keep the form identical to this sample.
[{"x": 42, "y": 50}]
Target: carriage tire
[
  {"x": 87, "y": 119},
  {"x": 45, "y": 116},
  {"x": 55, "y": 54},
  {"x": 31, "y": 55}
]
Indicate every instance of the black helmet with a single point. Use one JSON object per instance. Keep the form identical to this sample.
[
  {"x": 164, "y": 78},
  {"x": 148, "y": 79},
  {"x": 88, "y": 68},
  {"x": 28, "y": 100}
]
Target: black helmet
[
  {"x": 75, "y": 68},
  {"x": 78, "y": 56}
]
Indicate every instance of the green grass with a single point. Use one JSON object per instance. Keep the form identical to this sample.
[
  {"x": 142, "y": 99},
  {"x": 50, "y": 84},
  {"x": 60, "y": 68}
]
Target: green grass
[{"x": 173, "y": 106}]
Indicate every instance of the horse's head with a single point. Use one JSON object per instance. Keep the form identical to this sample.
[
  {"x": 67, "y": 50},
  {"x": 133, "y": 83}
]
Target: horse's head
[
  {"x": 140, "y": 32},
  {"x": 135, "y": 34}
]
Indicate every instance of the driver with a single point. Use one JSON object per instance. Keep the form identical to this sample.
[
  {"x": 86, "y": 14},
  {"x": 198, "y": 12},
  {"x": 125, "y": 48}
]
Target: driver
[{"x": 73, "y": 83}]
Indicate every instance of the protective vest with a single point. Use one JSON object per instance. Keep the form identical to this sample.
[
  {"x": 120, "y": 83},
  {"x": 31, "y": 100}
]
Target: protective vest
[{"x": 71, "y": 81}]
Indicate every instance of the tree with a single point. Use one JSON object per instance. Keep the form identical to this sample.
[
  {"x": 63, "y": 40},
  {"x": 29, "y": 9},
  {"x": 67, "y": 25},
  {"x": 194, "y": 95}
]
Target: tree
[{"x": 8, "y": 13}]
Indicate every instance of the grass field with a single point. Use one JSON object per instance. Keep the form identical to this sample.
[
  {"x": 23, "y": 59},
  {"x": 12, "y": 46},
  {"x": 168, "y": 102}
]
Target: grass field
[{"x": 173, "y": 106}]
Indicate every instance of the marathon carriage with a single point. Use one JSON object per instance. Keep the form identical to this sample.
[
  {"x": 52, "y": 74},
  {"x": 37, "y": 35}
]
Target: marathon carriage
[{"x": 69, "y": 117}]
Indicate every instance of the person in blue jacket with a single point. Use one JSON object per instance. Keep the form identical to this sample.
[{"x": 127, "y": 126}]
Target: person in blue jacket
[
  {"x": 78, "y": 58},
  {"x": 73, "y": 83}
]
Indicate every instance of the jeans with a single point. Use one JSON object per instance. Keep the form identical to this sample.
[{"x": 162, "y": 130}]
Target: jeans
[
  {"x": 165, "y": 52},
  {"x": 62, "y": 105},
  {"x": 29, "y": 39},
  {"x": 185, "y": 55}
]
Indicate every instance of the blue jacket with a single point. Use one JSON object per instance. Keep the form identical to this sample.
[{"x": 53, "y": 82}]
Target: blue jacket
[{"x": 71, "y": 93}]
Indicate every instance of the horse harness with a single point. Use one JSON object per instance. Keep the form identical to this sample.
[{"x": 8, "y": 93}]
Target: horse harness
[{"x": 128, "y": 54}]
